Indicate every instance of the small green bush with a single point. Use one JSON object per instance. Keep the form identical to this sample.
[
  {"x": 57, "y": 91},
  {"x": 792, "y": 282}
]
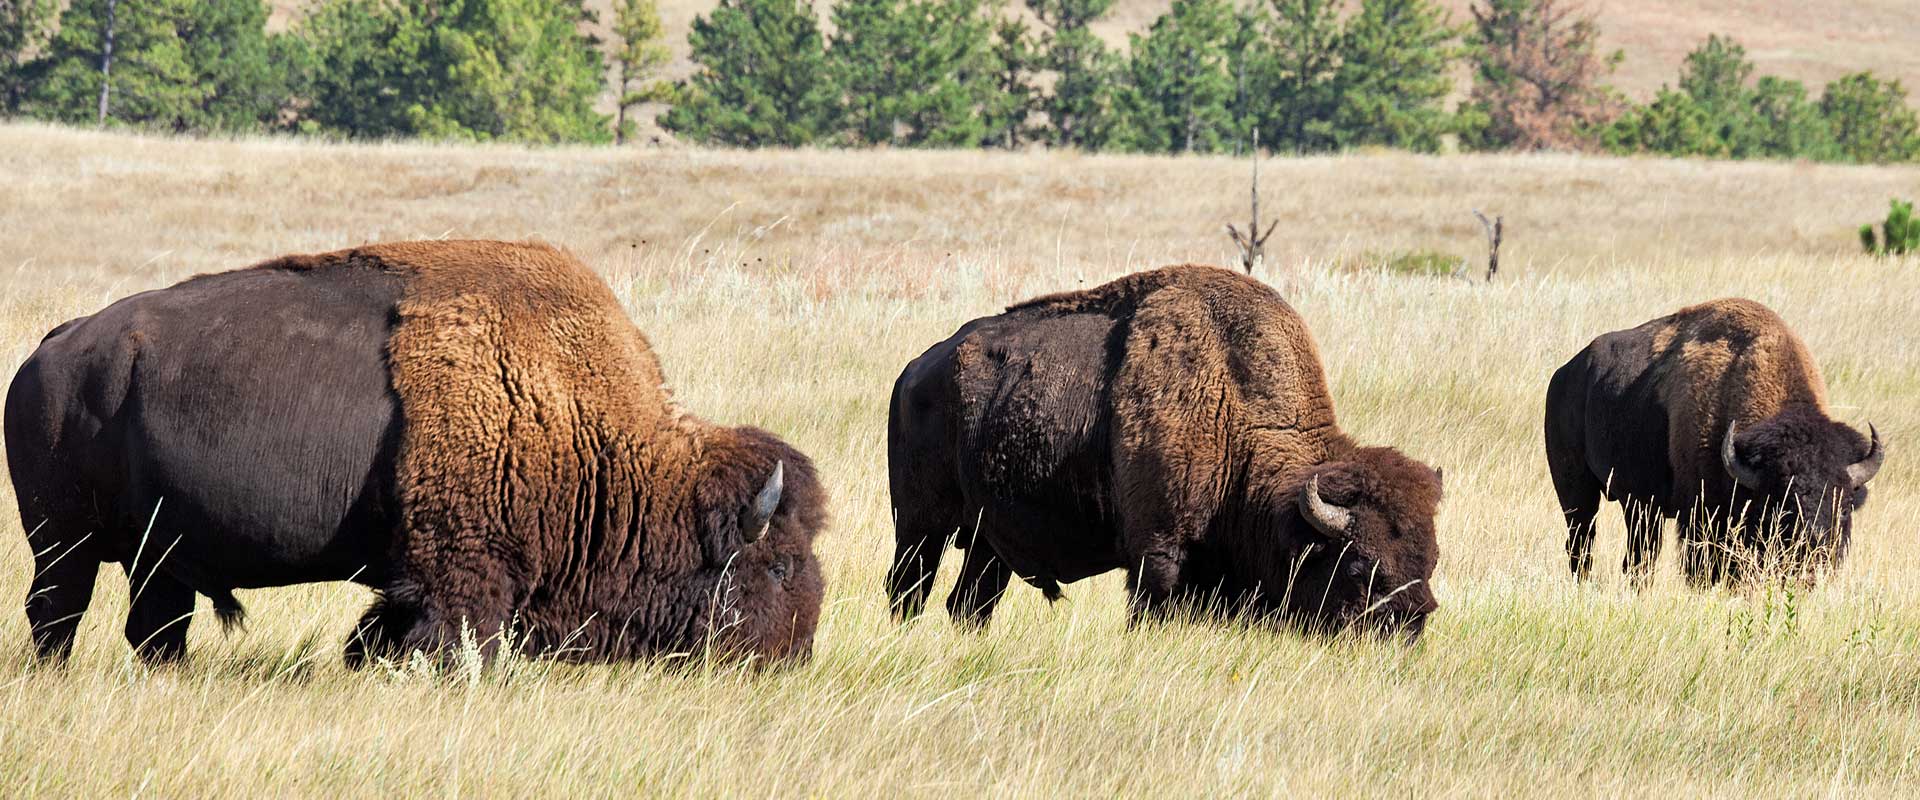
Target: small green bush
[
  {"x": 1428, "y": 263},
  {"x": 1899, "y": 234}
]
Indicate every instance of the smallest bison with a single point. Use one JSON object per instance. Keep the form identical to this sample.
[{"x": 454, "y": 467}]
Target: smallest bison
[
  {"x": 1715, "y": 416},
  {"x": 1175, "y": 424}
]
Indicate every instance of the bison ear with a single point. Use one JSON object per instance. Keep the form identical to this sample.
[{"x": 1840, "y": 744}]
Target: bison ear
[
  {"x": 1440, "y": 476},
  {"x": 758, "y": 514}
]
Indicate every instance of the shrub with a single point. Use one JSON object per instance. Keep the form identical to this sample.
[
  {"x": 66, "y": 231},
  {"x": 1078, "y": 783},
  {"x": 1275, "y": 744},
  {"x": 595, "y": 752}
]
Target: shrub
[{"x": 1899, "y": 234}]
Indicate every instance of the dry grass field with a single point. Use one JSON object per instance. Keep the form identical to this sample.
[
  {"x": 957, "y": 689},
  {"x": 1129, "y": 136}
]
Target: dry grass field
[{"x": 786, "y": 289}]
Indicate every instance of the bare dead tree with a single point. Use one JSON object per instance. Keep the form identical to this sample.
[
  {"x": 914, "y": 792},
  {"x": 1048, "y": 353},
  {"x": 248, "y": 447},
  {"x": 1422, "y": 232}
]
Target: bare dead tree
[
  {"x": 1253, "y": 243},
  {"x": 1495, "y": 228}
]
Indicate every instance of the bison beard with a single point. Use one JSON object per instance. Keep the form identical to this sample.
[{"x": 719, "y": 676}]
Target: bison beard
[
  {"x": 498, "y": 429},
  {"x": 1714, "y": 416},
  {"x": 1168, "y": 423}
]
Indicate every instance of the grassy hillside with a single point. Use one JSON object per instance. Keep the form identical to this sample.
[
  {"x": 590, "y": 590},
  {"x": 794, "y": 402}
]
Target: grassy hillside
[{"x": 787, "y": 289}]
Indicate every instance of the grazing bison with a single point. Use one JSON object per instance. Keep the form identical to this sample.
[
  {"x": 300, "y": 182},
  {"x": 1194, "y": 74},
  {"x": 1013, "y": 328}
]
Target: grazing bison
[
  {"x": 475, "y": 429},
  {"x": 1173, "y": 423},
  {"x": 1715, "y": 416}
]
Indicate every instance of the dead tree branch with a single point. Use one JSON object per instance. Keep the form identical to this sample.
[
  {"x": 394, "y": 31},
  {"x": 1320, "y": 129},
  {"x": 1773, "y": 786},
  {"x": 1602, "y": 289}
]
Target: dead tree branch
[
  {"x": 1253, "y": 243},
  {"x": 1495, "y": 229}
]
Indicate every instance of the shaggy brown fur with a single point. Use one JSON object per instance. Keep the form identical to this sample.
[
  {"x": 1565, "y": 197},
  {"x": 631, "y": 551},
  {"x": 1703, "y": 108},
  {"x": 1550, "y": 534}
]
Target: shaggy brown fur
[
  {"x": 1640, "y": 416},
  {"x": 545, "y": 473},
  {"x": 476, "y": 429},
  {"x": 1162, "y": 423}
]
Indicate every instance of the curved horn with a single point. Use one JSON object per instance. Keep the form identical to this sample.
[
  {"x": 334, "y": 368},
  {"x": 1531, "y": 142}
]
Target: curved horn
[
  {"x": 1742, "y": 474},
  {"x": 1332, "y": 520},
  {"x": 755, "y": 518},
  {"x": 1859, "y": 472}
]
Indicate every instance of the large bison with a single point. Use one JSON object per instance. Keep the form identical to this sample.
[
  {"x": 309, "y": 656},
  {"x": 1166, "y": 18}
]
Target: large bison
[
  {"x": 1715, "y": 416},
  {"x": 1174, "y": 423},
  {"x": 475, "y": 429}
]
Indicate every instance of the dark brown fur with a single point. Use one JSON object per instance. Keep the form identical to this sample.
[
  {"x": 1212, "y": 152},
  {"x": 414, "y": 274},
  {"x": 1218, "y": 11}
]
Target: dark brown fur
[
  {"x": 538, "y": 479},
  {"x": 1164, "y": 424},
  {"x": 1640, "y": 416}
]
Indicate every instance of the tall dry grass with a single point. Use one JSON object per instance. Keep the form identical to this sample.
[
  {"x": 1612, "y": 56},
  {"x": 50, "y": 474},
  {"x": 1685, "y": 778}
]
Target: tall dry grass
[{"x": 786, "y": 290}]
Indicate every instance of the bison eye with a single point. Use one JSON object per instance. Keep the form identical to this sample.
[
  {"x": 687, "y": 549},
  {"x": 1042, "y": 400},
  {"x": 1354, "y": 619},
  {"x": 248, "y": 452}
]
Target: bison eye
[
  {"x": 778, "y": 569},
  {"x": 1359, "y": 568}
]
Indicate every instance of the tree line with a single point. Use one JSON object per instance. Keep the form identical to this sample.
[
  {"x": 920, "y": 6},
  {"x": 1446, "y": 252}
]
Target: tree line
[{"x": 1206, "y": 77}]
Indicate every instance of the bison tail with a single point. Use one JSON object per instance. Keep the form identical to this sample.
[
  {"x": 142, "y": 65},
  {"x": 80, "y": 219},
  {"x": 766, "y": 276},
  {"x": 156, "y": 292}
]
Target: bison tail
[
  {"x": 1049, "y": 589},
  {"x": 228, "y": 610}
]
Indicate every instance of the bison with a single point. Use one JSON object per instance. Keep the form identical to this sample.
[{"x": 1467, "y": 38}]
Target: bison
[
  {"x": 474, "y": 429},
  {"x": 1174, "y": 423},
  {"x": 1714, "y": 416}
]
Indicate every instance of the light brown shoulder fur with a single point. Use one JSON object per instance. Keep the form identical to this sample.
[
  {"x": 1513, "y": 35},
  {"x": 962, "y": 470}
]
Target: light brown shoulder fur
[
  {"x": 534, "y": 421},
  {"x": 1220, "y": 375},
  {"x": 1728, "y": 360}
]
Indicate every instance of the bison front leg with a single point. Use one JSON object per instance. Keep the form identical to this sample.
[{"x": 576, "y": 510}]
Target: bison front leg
[
  {"x": 379, "y": 633},
  {"x": 58, "y": 596},
  {"x": 1152, "y": 583},
  {"x": 983, "y": 581}
]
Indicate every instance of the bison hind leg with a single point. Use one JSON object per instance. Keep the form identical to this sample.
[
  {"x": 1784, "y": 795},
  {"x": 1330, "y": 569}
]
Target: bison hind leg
[{"x": 158, "y": 615}]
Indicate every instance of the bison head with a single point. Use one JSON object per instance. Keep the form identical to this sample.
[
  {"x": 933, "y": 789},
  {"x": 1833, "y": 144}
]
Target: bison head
[
  {"x": 1371, "y": 549},
  {"x": 758, "y": 592},
  {"x": 1802, "y": 475}
]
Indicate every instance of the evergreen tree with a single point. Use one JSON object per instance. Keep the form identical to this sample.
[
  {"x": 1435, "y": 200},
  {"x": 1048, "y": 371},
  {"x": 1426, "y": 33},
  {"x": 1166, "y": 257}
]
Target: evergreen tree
[
  {"x": 1301, "y": 75},
  {"x": 518, "y": 70},
  {"x": 1786, "y": 123},
  {"x": 915, "y": 72},
  {"x": 1673, "y": 124},
  {"x": 1013, "y": 97},
  {"x": 1392, "y": 78},
  {"x": 1180, "y": 85},
  {"x": 638, "y": 53},
  {"x": 1080, "y": 107},
  {"x": 764, "y": 79},
  {"x": 175, "y": 64},
  {"x": 25, "y": 26},
  {"x": 1537, "y": 75},
  {"x": 1869, "y": 120}
]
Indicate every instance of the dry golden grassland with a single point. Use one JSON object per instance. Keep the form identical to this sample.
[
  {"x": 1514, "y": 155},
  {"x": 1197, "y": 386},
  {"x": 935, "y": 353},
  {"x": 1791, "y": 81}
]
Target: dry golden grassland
[{"x": 786, "y": 289}]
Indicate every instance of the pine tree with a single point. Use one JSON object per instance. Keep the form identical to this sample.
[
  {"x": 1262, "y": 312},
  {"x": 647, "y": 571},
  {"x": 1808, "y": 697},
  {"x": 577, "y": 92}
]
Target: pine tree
[
  {"x": 764, "y": 79},
  {"x": 181, "y": 65},
  {"x": 1081, "y": 104},
  {"x": 1870, "y": 120},
  {"x": 1537, "y": 75},
  {"x": 1787, "y": 124},
  {"x": 1301, "y": 87},
  {"x": 915, "y": 72},
  {"x": 638, "y": 52},
  {"x": 25, "y": 26},
  {"x": 518, "y": 70},
  {"x": 1180, "y": 85},
  {"x": 1013, "y": 96},
  {"x": 1393, "y": 75}
]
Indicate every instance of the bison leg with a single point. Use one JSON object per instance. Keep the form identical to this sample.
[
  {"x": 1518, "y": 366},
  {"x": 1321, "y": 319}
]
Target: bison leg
[
  {"x": 1579, "y": 504},
  {"x": 1151, "y": 586},
  {"x": 158, "y": 615},
  {"x": 983, "y": 580},
  {"x": 1644, "y": 523},
  {"x": 921, "y": 535},
  {"x": 379, "y": 633},
  {"x": 62, "y": 588}
]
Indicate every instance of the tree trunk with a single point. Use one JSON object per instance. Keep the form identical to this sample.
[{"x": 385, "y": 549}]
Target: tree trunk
[{"x": 106, "y": 62}]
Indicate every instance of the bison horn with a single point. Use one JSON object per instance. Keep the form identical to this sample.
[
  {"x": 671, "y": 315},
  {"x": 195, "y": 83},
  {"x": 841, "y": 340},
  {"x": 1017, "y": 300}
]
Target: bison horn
[
  {"x": 755, "y": 518},
  {"x": 1863, "y": 470},
  {"x": 1742, "y": 474},
  {"x": 1332, "y": 520}
]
